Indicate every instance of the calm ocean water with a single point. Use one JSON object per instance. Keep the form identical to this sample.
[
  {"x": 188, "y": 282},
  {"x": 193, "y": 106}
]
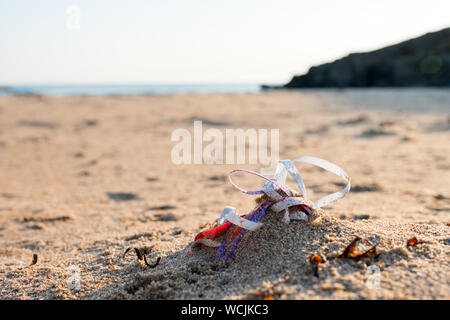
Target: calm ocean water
[{"x": 65, "y": 90}]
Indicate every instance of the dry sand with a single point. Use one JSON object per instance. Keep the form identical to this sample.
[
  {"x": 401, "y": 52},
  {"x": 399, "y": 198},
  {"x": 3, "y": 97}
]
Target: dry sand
[{"x": 83, "y": 178}]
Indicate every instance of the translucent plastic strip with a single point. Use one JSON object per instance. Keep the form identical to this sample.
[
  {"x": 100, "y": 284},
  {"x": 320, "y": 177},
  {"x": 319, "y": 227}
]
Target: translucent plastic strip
[{"x": 326, "y": 165}]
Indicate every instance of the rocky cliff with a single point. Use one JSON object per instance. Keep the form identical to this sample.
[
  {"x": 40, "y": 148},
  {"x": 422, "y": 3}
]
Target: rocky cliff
[{"x": 422, "y": 61}]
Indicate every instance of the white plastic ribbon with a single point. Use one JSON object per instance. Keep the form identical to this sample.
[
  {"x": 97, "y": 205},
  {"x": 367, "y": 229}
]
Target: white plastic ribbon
[
  {"x": 242, "y": 222},
  {"x": 326, "y": 165},
  {"x": 225, "y": 212},
  {"x": 283, "y": 203}
]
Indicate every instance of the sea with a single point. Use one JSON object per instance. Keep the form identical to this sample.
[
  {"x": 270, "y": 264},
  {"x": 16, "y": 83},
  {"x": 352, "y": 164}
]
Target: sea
[{"x": 129, "y": 89}]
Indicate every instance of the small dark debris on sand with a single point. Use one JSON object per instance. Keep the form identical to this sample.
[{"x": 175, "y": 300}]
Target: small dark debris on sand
[
  {"x": 319, "y": 130},
  {"x": 38, "y": 124},
  {"x": 7, "y": 195},
  {"x": 375, "y": 132},
  {"x": 151, "y": 179},
  {"x": 354, "y": 121},
  {"x": 122, "y": 196},
  {"x": 386, "y": 124},
  {"x": 439, "y": 209},
  {"x": 90, "y": 122},
  {"x": 208, "y": 122},
  {"x": 340, "y": 184},
  {"x": 43, "y": 219},
  {"x": 86, "y": 124},
  {"x": 84, "y": 173},
  {"x": 408, "y": 139},
  {"x": 361, "y": 217},
  {"x": 35, "y": 227},
  {"x": 34, "y": 261},
  {"x": 217, "y": 178},
  {"x": 262, "y": 294},
  {"x": 412, "y": 242},
  {"x": 140, "y": 235},
  {"x": 165, "y": 207},
  {"x": 166, "y": 217},
  {"x": 176, "y": 231},
  {"x": 441, "y": 197},
  {"x": 92, "y": 162},
  {"x": 316, "y": 259},
  {"x": 366, "y": 188}
]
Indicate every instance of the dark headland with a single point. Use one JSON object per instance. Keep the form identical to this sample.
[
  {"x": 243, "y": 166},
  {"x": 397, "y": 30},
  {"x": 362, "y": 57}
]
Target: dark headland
[{"x": 422, "y": 61}]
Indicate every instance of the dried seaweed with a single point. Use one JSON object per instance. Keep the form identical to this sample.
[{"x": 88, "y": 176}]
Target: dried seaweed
[
  {"x": 412, "y": 242},
  {"x": 34, "y": 261},
  {"x": 261, "y": 294},
  {"x": 352, "y": 252},
  {"x": 142, "y": 257},
  {"x": 316, "y": 259}
]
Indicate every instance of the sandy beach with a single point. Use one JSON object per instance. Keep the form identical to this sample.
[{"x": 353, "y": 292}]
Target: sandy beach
[{"x": 82, "y": 178}]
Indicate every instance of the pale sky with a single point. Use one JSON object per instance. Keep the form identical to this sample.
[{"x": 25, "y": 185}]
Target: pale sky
[{"x": 197, "y": 41}]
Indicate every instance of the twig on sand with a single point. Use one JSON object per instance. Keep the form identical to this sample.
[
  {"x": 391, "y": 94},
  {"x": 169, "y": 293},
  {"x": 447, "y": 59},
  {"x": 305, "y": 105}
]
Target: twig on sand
[{"x": 141, "y": 257}]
